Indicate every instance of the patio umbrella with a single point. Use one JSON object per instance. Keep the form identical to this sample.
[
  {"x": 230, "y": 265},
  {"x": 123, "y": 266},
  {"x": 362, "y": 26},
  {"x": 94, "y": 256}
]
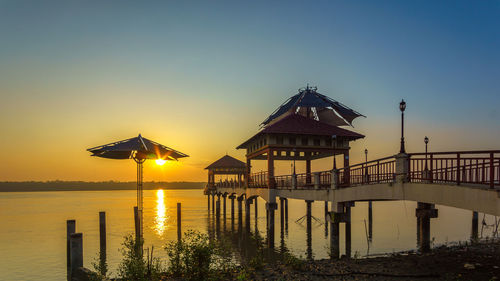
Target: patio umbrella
[
  {"x": 139, "y": 149},
  {"x": 308, "y": 102}
]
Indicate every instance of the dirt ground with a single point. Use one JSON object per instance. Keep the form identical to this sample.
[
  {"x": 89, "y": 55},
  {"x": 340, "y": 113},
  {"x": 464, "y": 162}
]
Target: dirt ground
[{"x": 480, "y": 261}]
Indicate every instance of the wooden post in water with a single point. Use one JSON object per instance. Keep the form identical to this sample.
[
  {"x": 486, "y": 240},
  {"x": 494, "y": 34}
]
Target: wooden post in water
[
  {"x": 70, "y": 229},
  {"x": 102, "y": 239},
  {"x": 76, "y": 252},
  {"x": 137, "y": 224},
  {"x": 179, "y": 230}
]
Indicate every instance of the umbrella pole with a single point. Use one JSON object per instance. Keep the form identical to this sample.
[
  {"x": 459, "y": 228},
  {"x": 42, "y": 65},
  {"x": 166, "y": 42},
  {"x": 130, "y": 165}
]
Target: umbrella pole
[{"x": 140, "y": 203}]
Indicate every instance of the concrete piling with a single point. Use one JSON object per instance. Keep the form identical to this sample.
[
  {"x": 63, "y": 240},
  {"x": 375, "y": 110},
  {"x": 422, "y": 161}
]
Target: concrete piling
[
  {"x": 217, "y": 217},
  {"x": 286, "y": 215},
  {"x": 282, "y": 214},
  {"x": 424, "y": 213},
  {"x": 348, "y": 231},
  {"x": 256, "y": 209},
  {"x": 370, "y": 221},
  {"x": 240, "y": 213},
  {"x": 213, "y": 202},
  {"x": 217, "y": 209},
  {"x": 475, "y": 226},
  {"x": 309, "y": 228},
  {"x": 248, "y": 202},
  {"x": 224, "y": 206},
  {"x": 271, "y": 207}
]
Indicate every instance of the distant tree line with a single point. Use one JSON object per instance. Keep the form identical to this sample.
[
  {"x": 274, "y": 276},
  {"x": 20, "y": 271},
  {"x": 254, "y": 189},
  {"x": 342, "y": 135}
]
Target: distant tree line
[{"x": 58, "y": 185}]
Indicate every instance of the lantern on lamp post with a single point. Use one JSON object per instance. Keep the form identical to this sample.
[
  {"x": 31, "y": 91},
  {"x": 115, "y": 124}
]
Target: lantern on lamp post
[
  {"x": 426, "y": 141},
  {"x": 402, "y": 107}
]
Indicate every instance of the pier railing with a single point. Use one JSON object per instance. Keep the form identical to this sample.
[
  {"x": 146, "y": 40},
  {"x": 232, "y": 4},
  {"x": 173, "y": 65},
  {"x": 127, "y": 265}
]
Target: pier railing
[
  {"x": 481, "y": 168},
  {"x": 376, "y": 171},
  {"x": 462, "y": 167}
]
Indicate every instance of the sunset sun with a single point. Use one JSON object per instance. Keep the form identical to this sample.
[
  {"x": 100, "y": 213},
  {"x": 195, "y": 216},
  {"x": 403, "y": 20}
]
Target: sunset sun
[{"x": 160, "y": 162}]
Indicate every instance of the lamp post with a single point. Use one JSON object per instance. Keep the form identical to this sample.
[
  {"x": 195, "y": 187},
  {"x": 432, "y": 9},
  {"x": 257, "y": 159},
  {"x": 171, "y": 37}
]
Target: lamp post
[
  {"x": 402, "y": 107},
  {"x": 426, "y": 141},
  {"x": 366, "y": 156}
]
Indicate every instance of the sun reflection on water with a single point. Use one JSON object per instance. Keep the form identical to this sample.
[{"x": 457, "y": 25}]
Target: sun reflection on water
[{"x": 161, "y": 213}]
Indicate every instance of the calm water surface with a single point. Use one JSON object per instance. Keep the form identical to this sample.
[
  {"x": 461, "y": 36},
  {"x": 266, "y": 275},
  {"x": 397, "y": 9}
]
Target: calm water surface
[{"x": 33, "y": 227}]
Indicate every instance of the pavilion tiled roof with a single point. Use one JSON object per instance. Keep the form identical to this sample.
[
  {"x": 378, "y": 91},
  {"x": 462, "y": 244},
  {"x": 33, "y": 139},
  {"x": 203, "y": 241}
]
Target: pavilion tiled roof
[
  {"x": 299, "y": 125},
  {"x": 227, "y": 162}
]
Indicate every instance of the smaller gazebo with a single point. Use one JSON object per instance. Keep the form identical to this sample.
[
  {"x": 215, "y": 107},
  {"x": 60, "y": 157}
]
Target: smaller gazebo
[{"x": 228, "y": 166}]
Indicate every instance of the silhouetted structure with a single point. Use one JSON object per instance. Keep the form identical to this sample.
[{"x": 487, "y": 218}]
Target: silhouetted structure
[{"x": 139, "y": 149}]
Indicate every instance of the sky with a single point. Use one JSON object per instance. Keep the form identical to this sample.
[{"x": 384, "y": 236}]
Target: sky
[{"x": 200, "y": 76}]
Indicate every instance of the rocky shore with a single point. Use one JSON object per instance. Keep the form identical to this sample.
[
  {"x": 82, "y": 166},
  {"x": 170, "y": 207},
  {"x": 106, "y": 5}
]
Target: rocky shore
[{"x": 479, "y": 261}]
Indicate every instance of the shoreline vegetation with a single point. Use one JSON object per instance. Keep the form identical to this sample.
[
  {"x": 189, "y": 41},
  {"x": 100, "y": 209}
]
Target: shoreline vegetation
[
  {"x": 197, "y": 257},
  {"x": 33, "y": 186}
]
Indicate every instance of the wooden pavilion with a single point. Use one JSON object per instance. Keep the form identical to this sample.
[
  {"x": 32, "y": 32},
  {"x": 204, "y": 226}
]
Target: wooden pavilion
[
  {"x": 304, "y": 128},
  {"x": 228, "y": 166}
]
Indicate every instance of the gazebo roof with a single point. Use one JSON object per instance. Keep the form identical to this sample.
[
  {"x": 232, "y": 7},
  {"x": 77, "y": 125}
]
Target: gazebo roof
[
  {"x": 227, "y": 162},
  {"x": 138, "y": 147},
  {"x": 308, "y": 102},
  {"x": 296, "y": 124}
]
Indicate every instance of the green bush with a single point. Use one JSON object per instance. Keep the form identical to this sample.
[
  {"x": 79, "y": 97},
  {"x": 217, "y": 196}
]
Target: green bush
[
  {"x": 134, "y": 267},
  {"x": 196, "y": 257},
  {"x": 101, "y": 269}
]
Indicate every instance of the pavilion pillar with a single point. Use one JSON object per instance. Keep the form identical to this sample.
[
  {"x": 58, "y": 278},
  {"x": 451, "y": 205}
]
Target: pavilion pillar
[
  {"x": 270, "y": 169},
  {"x": 347, "y": 180}
]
